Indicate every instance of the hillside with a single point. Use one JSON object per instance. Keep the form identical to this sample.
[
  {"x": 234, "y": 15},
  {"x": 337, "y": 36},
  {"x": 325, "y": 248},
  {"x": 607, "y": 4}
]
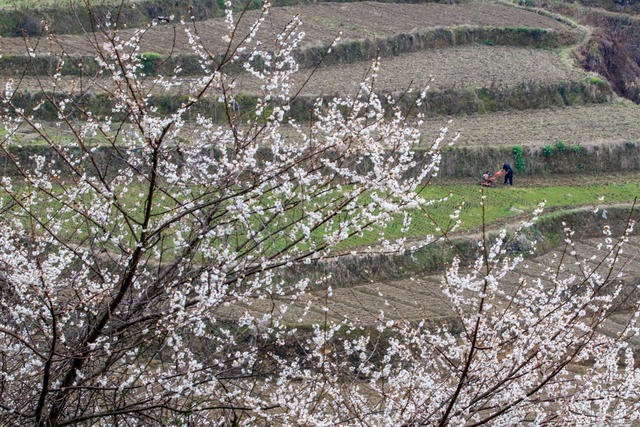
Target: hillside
[
  {"x": 198, "y": 232},
  {"x": 322, "y": 23},
  {"x": 507, "y": 75},
  {"x": 420, "y": 297}
]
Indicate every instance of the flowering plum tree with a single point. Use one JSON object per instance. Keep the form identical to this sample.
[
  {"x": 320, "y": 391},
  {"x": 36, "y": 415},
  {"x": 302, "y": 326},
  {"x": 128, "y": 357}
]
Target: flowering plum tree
[{"x": 127, "y": 278}]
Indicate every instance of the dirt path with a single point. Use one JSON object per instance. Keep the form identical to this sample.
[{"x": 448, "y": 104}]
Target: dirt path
[{"x": 555, "y": 180}]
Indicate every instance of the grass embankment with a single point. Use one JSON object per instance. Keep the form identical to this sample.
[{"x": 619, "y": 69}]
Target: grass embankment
[
  {"x": 438, "y": 103},
  {"x": 582, "y": 125}
]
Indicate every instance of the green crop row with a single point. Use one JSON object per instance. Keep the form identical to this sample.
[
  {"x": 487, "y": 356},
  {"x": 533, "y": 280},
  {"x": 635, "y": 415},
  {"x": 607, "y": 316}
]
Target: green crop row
[{"x": 499, "y": 205}]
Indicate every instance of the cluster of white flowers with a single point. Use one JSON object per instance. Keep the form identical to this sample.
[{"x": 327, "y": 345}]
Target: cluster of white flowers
[{"x": 150, "y": 283}]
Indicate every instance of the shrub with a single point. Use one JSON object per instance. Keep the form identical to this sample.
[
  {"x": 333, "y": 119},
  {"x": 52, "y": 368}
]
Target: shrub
[
  {"x": 29, "y": 26},
  {"x": 561, "y": 147},
  {"x": 578, "y": 149},
  {"x": 547, "y": 151},
  {"x": 518, "y": 158},
  {"x": 150, "y": 61}
]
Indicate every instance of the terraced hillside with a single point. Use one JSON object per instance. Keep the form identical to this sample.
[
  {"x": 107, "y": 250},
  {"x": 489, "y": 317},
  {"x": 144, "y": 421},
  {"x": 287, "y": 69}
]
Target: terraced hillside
[
  {"x": 322, "y": 23},
  {"x": 420, "y": 297},
  {"x": 458, "y": 67},
  {"x": 481, "y": 76},
  {"x": 595, "y": 125},
  {"x": 506, "y": 74}
]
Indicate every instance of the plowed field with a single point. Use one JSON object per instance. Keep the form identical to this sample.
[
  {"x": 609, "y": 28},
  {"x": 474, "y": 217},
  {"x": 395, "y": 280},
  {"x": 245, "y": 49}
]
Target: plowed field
[
  {"x": 321, "y": 23},
  {"x": 452, "y": 68},
  {"x": 458, "y": 67},
  {"x": 586, "y": 125},
  {"x": 421, "y": 297}
]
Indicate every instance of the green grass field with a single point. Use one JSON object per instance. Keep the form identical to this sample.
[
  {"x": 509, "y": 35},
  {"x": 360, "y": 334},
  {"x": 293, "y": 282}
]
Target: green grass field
[{"x": 502, "y": 203}]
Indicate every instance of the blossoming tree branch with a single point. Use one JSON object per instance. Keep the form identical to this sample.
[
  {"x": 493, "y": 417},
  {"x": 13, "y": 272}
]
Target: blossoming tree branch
[{"x": 128, "y": 280}]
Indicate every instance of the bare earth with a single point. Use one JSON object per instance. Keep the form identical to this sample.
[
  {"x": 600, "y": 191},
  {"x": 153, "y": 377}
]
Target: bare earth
[
  {"x": 458, "y": 67},
  {"x": 584, "y": 125},
  {"x": 421, "y": 297},
  {"x": 452, "y": 68},
  {"x": 321, "y": 23}
]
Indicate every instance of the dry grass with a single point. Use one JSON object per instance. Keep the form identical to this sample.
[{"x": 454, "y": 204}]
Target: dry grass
[
  {"x": 584, "y": 125},
  {"x": 321, "y": 23},
  {"x": 421, "y": 298},
  {"x": 458, "y": 67}
]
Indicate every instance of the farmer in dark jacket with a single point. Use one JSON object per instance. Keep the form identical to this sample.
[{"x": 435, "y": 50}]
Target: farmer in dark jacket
[{"x": 509, "y": 176}]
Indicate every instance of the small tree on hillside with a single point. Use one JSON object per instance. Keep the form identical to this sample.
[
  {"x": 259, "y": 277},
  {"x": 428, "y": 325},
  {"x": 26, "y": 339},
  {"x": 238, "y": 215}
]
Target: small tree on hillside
[{"x": 131, "y": 259}]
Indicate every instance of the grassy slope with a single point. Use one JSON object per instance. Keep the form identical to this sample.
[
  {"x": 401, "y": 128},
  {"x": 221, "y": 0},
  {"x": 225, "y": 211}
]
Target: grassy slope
[{"x": 499, "y": 204}]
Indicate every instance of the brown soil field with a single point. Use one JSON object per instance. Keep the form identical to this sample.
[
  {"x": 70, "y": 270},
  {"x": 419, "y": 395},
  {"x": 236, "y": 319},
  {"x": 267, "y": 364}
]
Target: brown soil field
[
  {"x": 458, "y": 67},
  {"x": 421, "y": 297},
  {"x": 321, "y": 23},
  {"x": 584, "y": 125},
  {"x": 23, "y": 4},
  {"x": 452, "y": 68}
]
